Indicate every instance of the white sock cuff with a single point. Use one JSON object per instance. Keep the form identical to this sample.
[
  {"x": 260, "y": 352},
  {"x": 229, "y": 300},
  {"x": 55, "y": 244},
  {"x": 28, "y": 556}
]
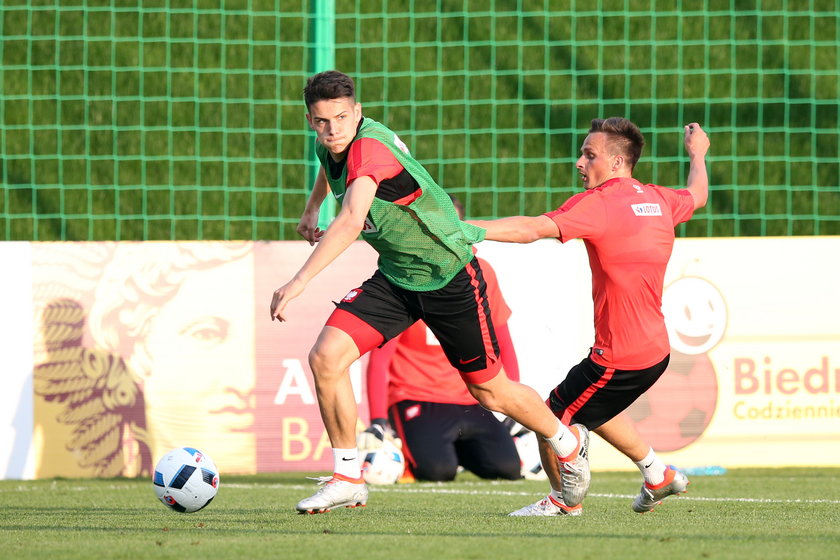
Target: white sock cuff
[
  {"x": 651, "y": 455},
  {"x": 346, "y": 462},
  {"x": 652, "y": 468},
  {"x": 563, "y": 443}
]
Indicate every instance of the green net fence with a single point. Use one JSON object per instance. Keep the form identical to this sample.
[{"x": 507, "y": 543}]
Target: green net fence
[{"x": 171, "y": 119}]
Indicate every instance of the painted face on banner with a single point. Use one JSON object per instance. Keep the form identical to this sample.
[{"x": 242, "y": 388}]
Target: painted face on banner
[
  {"x": 199, "y": 390},
  {"x": 695, "y": 315}
]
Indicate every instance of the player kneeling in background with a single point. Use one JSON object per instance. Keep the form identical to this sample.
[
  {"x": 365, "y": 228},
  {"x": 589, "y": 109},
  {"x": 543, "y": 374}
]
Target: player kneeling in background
[{"x": 628, "y": 230}]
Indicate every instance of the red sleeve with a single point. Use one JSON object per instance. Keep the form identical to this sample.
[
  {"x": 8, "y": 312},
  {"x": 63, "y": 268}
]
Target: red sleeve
[
  {"x": 369, "y": 157},
  {"x": 582, "y": 216},
  {"x": 507, "y": 352},
  {"x": 500, "y": 313},
  {"x": 498, "y": 306},
  {"x": 680, "y": 201},
  {"x": 379, "y": 360}
]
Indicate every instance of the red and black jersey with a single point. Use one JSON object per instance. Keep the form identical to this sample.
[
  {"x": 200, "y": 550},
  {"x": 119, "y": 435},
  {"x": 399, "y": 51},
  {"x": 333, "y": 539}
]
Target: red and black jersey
[{"x": 370, "y": 157}]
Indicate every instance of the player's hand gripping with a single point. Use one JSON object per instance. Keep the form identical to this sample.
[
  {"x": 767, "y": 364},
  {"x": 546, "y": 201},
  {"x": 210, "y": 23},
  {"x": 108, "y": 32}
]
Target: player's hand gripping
[{"x": 696, "y": 141}]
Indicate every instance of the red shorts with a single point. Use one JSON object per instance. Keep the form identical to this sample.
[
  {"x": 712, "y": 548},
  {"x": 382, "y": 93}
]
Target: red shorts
[{"x": 458, "y": 314}]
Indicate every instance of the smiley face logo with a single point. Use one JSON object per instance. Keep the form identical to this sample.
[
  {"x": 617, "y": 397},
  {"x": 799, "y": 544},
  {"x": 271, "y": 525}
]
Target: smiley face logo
[{"x": 695, "y": 315}]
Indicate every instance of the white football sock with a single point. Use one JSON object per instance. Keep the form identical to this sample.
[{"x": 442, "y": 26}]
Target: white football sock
[
  {"x": 564, "y": 442},
  {"x": 346, "y": 462},
  {"x": 652, "y": 468}
]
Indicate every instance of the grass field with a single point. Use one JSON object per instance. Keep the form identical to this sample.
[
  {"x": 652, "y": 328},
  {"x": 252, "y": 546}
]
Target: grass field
[{"x": 744, "y": 514}]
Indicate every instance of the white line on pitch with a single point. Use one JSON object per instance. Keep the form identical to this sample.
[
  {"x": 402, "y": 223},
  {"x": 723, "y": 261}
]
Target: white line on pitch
[
  {"x": 403, "y": 489},
  {"x": 433, "y": 488}
]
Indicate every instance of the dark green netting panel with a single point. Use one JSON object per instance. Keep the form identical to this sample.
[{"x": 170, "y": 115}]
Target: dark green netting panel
[{"x": 134, "y": 120}]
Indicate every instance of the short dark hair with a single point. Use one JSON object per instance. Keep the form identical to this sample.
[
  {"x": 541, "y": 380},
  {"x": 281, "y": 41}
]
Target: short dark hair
[
  {"x": 331, "y": 84},
  {"x": 623, "y": 135}
]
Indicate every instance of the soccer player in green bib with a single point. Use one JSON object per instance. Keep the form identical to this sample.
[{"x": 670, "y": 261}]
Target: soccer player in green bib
[{"x": 426, "y": 270}]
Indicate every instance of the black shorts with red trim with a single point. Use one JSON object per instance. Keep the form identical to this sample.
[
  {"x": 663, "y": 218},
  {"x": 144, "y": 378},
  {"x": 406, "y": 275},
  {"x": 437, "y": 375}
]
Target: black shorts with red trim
[
  {"x": 592, "y": 394},
  {"x": 458, "y": 314}
]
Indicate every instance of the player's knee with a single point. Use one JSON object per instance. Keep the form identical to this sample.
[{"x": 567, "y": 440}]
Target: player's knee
[
  {"x": 324, "y": 364},
  {"x": 502, "y": 463},
  {"x": 331, "y": 355},
  {"x": 435, "y": 471},
  {"x": 487, "y": 398},
  {"x": 490, "y": 402},
  {"x": 509, "y": 471}
]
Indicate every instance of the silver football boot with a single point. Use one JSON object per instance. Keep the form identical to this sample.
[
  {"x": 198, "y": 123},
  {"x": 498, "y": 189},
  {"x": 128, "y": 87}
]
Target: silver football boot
[
  {"x": 575, "y": 474},
  {"x": 336, "y": 491},
  {"x": 547, "y": 507},
  {"x": 651, "y": 496}
]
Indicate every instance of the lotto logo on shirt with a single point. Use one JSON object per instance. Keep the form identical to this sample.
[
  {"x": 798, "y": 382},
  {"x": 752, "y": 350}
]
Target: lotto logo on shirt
[{"x": 646, "y": 209}]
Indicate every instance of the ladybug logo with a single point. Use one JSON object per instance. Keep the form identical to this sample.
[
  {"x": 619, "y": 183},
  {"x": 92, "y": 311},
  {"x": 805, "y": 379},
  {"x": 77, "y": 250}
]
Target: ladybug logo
[{"x": 679, "y": 407}]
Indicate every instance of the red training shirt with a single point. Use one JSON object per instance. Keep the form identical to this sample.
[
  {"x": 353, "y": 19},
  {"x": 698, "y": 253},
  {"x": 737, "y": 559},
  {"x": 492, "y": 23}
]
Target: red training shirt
[{"x": 628, "y": 230}]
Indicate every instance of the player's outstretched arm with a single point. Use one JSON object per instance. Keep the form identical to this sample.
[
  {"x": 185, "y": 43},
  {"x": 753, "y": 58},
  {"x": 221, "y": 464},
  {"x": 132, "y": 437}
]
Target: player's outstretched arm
[
  {"x": 308, "y": 226},
  {"x": 696, "y": 146},
  {"x": 341, "y": 233},
  {"x": 518, "y": 229}
]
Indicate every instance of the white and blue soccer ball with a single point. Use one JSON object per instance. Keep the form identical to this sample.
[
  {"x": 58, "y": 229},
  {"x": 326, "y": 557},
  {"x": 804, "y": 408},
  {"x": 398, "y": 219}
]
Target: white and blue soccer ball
[
  {"x": 186, "y": 479},
  {"x": 384, "y": 465},
  {"x": 528, "y": 448}
]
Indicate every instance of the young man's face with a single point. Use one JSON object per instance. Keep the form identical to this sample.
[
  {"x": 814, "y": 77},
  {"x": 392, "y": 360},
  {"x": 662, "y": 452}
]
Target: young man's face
[
  {"x": 596, "y": 164},
  {"x": 335, "y": 122}
]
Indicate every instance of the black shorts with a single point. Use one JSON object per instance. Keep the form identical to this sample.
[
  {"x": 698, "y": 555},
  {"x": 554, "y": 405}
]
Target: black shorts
[
  {"x": 458, "y": 314},
  {"x": 592, "y": 394},
  {"x": 437, "y": 437}
]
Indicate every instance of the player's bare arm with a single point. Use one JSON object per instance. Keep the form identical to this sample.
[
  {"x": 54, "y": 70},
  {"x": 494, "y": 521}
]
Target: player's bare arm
[
  {"x": 518, "y": 229},
  {"x": 308, "y": 226},
  {"x": 342, "y": 232},
  {"x": 696, "y": 146}
]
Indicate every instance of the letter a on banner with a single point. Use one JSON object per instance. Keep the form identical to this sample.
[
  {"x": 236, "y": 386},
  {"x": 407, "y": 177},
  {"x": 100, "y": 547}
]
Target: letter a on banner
[{"x": 294, "y": 382}]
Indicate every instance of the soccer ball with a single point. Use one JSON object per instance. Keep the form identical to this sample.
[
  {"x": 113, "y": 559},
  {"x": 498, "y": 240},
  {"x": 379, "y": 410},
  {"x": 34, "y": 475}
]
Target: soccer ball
[
  {"x": 384, "y": 465},
  {"x": 186, "y": 480},
  {"x": 529, "y": 455}
]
